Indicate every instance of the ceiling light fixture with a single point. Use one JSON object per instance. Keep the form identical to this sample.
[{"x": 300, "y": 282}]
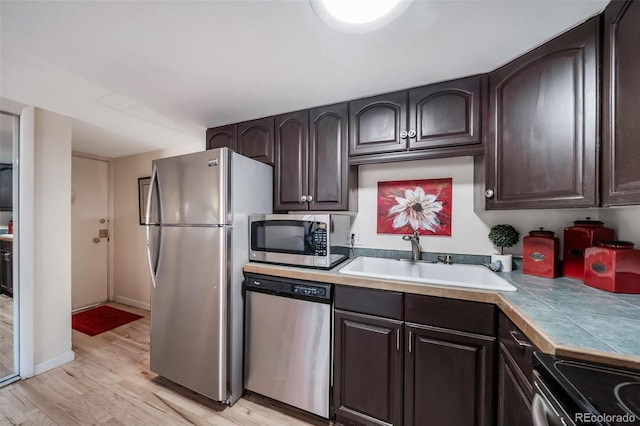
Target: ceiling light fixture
[{"x": 358, "y": 16}]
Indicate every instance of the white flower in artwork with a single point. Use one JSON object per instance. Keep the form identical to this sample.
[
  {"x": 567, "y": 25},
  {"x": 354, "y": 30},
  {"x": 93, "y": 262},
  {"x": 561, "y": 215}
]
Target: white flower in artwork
[{"x": 417, "y": 209}]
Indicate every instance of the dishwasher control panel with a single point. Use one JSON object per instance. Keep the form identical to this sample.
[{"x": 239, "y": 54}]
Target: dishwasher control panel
[{"x": 310, "y": 290}]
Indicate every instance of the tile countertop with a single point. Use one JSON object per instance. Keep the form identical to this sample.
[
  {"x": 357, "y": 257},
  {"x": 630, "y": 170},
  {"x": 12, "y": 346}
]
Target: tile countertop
[{"x": 561, "y": 316}]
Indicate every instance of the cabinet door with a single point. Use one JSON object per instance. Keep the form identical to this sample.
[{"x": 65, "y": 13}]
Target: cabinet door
[
  {"x": 621, "y": 103},
  {"x": 445, "y": 114},
  {"x": 447, "y": 368},
  {"x": 367, "y": 370},
  {"x": 255, "y": 139},
  {"x": 543, "y": 125},
  {"x": 376, "y": 124},
  {"x": 291, "y": 161},
  {"x": 6, "y": 267},
  {"x": 6, "y": 187},
  {"x": 328, "y": 159},
  {"x": 514, "y": 400},
  {"x": 222, "y": 137}
]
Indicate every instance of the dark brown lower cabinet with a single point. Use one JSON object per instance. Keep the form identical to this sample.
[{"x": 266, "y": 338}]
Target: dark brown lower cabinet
[
  {"x": 514, "y": 399},
  {"x": 448, "y": 377},
  {"x": 6, "y": 267},
  {"x": 514, "y": 389},
  {"x": 402, "y": 371},
  {"x": 367, "y": 369}
]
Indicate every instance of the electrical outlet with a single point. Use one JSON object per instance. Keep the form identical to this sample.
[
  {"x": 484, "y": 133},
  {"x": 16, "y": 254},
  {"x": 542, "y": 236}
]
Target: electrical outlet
[{"x": 353, "y": 238}]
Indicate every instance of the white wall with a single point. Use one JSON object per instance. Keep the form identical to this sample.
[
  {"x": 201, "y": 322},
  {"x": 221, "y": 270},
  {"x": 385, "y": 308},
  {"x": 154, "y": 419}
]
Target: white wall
[
  {"x": 131, "y": 268},
  {"x": 469, "y": 230},
  {"x": 626, "y": 221},
  {"x": 52, "y": 240}
]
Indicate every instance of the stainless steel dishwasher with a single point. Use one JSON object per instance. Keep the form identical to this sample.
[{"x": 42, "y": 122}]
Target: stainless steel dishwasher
[{"x": 288, "y": 341}]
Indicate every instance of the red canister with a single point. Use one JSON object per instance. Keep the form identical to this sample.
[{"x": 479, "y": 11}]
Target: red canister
[
  {"x": 577, "y": 238},
  {"x": 613, "y": 266},
  {"x": 541, "y": 251}
]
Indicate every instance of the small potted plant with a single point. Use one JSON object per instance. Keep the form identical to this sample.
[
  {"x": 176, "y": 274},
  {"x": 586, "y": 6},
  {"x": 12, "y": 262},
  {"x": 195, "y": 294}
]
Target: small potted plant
[{"x": 503, "y": 236}]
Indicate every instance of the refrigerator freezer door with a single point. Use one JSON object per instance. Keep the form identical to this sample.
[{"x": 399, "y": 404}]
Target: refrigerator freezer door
[
  {"x": 189, "y": 309},
  {"x": 192, "y": 189}
]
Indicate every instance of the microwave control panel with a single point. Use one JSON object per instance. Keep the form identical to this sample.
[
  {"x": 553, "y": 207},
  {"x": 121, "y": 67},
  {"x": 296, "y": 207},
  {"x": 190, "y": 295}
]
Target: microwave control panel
[{"x": 320, "y": 240}]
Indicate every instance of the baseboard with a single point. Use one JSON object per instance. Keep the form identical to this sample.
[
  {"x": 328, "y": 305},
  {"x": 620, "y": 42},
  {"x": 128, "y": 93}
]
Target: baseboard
[
  {"x": 131, "y": 302},
  {"x": 53, "y": 363}
]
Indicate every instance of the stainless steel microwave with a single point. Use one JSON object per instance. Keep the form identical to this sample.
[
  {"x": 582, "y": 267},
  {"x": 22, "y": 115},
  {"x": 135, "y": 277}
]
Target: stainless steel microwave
[{"x": 298, "y": 239}]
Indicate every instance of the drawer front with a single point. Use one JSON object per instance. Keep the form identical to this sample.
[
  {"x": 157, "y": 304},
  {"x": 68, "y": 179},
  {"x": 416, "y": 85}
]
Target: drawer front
[
  {"x": 474, "y": 317},
  {"x": 517, "y": 345},
  {"x": 387, "y": 304}
]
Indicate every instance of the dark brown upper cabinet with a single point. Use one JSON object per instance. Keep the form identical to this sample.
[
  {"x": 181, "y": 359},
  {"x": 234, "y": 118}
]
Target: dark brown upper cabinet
[
  {"x": 438, "y": 120},
  {"x": 222, "y": 137},
  {"x": 378, "y": 124},
  {"x": 291, "y": 161},
  {"x": 253, "y": 139},
  {"x": 543, "y": 126},
  {"x": 621, "y": 104},
  {"x": 312, "y": 169}
]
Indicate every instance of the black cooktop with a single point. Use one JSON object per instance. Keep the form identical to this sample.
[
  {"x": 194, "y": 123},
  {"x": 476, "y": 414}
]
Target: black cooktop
[{"x": 612, "y": 395}]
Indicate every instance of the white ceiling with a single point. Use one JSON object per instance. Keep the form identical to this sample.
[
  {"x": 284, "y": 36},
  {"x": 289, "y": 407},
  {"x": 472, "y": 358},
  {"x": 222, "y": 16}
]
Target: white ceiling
[{"x": 142, "y": 75}]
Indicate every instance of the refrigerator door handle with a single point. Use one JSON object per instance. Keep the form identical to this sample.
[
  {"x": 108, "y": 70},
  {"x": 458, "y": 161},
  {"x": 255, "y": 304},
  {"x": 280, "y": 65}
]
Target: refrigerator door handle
[
  {"x": 152, "y": 184},
  {"x": 152, "y": 268}
]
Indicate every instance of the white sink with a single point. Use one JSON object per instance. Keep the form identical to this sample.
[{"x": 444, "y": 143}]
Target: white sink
[{"x": 471, "y": 276}]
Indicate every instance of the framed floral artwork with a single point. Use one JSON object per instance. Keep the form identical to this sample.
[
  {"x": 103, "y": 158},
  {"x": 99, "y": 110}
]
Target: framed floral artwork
[{"x": 405, "y": 206}]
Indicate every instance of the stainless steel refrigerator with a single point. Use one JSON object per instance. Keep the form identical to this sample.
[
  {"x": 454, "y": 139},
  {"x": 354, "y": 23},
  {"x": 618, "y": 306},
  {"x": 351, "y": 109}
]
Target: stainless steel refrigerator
[{"x": 197, "y": 241}]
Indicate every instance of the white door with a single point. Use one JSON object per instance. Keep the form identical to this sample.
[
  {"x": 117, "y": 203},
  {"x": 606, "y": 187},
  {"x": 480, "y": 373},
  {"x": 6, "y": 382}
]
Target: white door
[{"x": 89, "y": 231}]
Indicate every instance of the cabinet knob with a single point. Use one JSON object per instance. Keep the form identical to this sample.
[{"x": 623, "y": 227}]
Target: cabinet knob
[
  {"x": 489, "y": 193},
  {"x": 309, "y": 198},
  {"x": 303, "y": 199},
  {"x": 7, "y": 257},
  {"x": 412, "y": 133},
  {"x": 403, "y": 134},
  {"x": 96, "y": 240}
]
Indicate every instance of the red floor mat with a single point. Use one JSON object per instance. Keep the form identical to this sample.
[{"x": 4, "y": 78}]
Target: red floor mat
[{"x": 100, "y": 319}]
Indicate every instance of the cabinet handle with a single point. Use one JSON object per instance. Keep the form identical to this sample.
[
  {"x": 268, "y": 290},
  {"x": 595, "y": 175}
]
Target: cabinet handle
[
  {"x": 410, "y": 341},
  {"x": 489, "y": 193},
  {"x": 398, "y": 339},
  {"x": 403, "y": 134},
  {"x": 303, "y": 199},
  {"x": 309, "y": 198},
  {"x": 521, "y": 343},
  {"x": 412, "y": 133},
  {"x": 7, "y": 257}
]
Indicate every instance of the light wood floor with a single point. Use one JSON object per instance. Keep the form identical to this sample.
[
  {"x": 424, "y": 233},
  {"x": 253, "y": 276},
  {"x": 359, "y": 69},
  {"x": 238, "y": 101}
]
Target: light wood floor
[
  {"x": 6, "y": 335},
  {"x": 110, "y": 383}
]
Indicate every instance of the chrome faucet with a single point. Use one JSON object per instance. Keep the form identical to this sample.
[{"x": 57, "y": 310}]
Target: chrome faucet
[{"x": 415, "y": 245}]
